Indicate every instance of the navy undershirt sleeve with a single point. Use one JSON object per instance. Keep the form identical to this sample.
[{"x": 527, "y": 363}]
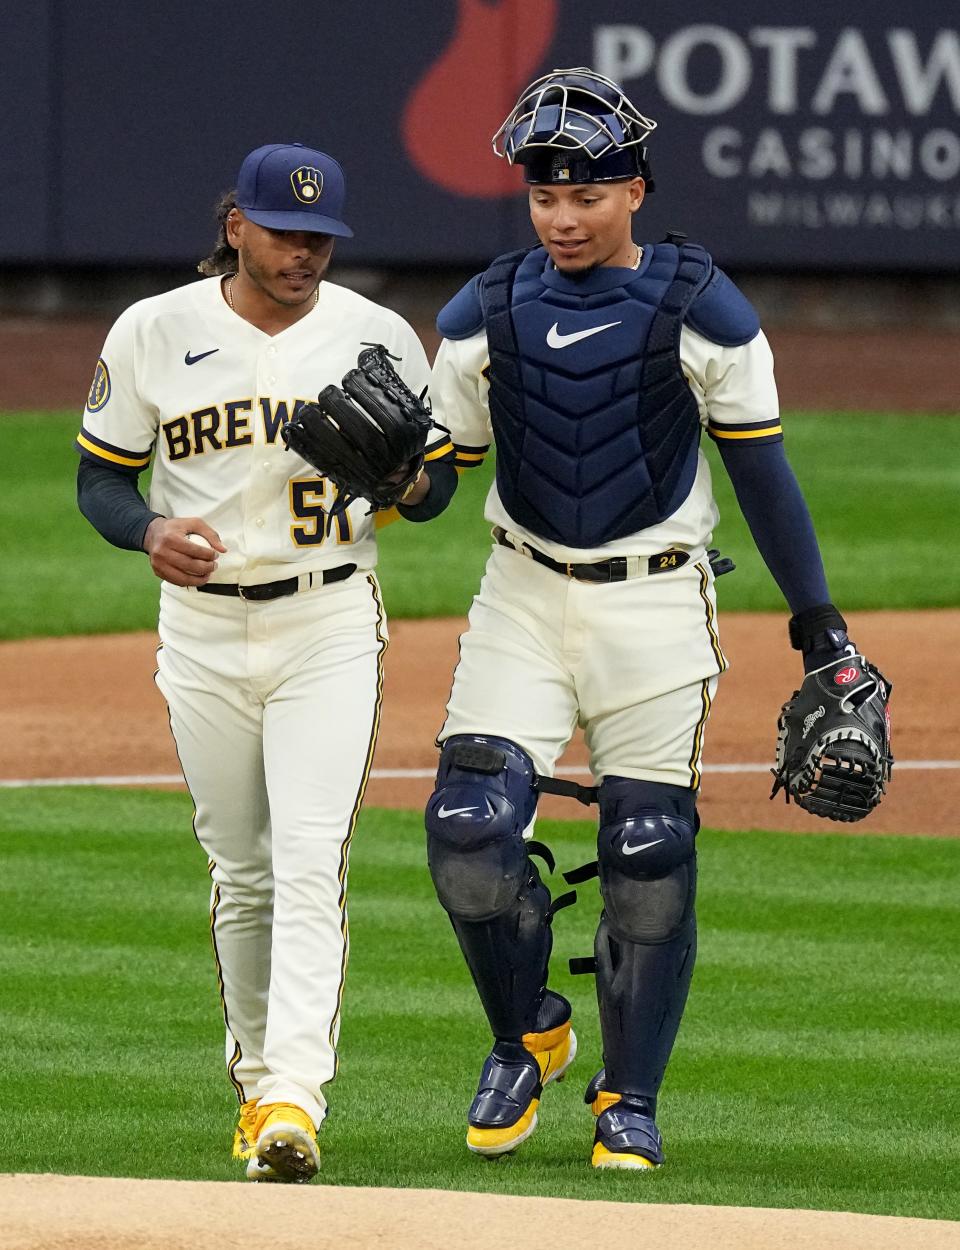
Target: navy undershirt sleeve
[
  {"x": 776, "y": 512},
  {"x": 113, "y": 505},
  {"x": 443, "y": 483}
]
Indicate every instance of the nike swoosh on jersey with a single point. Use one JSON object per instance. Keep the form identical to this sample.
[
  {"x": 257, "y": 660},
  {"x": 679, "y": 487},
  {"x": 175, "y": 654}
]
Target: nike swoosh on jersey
[
  {"x": 632, "y": 848},
  {"x": 443, "y": 812},
  {"x": 556, "y": 339},
  {"x": 192, "y": 360}
]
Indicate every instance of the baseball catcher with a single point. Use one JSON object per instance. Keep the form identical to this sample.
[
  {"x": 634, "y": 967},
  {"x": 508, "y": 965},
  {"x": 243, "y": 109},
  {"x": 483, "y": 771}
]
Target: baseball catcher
[
  {"x": 594, "y": 363},
  {"x": 833, "y": 741},
  {"x": 367, "y": 437}
]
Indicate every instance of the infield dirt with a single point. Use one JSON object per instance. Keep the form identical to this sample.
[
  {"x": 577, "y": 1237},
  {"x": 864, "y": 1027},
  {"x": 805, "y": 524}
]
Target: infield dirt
[{"x": 62, "y": 720}]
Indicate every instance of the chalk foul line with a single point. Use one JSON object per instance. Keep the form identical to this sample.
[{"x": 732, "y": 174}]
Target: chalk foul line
[{"x": 410, "y": 774}]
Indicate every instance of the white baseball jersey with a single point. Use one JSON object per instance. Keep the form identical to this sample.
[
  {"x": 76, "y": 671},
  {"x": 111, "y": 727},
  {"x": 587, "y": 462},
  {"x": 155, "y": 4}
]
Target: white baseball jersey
[
  {"x": 185, "y": 375},
  {"x": 634, "y": 663}
]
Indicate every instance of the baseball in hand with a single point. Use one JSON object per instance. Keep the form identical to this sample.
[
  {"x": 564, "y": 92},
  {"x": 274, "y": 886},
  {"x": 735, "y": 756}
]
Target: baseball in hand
[{"x": 199, "y": 540}]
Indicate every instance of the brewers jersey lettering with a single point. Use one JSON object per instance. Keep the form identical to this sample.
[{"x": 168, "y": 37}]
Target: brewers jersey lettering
[{"x": 182, "y": 373}]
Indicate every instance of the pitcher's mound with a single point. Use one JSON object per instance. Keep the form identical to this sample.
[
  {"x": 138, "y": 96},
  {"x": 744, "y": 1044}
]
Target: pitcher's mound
[{"x": 86, "y": 1213}]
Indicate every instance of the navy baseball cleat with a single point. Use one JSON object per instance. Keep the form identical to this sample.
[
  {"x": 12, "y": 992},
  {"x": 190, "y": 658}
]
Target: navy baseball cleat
[
  {"x": 626, "y": 1135},
  {"x": 504, "y": 1112}
]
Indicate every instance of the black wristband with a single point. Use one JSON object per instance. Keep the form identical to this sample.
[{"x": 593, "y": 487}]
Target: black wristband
[
  {"x": 808, "y": 627},
  {"x": 443, "y": 483}
]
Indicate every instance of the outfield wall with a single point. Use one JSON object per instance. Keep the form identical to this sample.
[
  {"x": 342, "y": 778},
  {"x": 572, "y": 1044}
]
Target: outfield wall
[{"x": 826, "y": 139}]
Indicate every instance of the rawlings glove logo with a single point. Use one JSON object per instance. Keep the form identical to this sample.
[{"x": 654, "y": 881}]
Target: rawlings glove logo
[
  {"x": 846, "y": 675},
  {"x": 833, "y": 746},
  {"x": 811, "y": 720}
]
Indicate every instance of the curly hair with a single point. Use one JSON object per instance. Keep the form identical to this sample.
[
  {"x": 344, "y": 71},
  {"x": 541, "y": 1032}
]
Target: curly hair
[{"x": 223, "y": 258}]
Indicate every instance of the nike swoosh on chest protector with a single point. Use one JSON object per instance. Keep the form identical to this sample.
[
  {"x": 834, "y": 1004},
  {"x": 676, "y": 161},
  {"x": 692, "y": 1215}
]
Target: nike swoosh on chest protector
[
  {"x": 192, "y": 360},
  {"x": 556, "y": 339}
]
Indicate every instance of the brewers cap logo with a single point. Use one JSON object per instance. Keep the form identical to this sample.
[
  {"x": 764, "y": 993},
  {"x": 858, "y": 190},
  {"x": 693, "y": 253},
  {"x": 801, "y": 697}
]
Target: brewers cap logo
[
  {"x": 307, "y": 183},
  {"x": 99, "y": 387}
]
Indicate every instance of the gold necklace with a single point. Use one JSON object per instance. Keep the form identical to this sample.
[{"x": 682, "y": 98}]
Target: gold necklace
[{"x": 228, "y": 290}]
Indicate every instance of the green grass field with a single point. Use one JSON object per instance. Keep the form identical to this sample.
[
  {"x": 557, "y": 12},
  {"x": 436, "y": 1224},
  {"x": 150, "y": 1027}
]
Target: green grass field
[
  {"x": 817, "y": 1062},
  {"x": 882, "y": 490},
  {"x": 816, "y": 1066}
]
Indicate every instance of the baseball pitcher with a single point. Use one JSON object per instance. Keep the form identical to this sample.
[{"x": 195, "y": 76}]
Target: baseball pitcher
[{"x": 260, "y": 525}]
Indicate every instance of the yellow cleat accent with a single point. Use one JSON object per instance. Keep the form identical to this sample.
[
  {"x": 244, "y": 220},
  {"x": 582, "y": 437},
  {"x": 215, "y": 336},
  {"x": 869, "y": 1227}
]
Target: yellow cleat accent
[
  {"x": 603, "y": 1100},
  {"x": 245, "y": 1138},
  {"x": 494, "y": 1142},
  {"x": 554, "y": 1051},
  {"x": 644, "y": 1133},
  {"x": 604, "y": 1158},
  {"x": 286, "y": 1145}
]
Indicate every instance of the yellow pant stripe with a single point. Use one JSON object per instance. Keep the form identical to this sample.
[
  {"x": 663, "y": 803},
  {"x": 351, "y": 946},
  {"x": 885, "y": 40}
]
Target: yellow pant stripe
[
  {"x": 714, "y": 640},
  {"x": 705, "y": 704}
]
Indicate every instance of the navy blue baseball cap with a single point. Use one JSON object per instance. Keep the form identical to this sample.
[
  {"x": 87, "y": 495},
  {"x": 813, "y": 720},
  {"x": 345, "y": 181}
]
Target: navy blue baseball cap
[{"x": 285, "y": 186}]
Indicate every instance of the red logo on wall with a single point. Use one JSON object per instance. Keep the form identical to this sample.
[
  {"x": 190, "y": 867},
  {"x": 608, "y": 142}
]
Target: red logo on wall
[
  {"x": 844, "y": 676},
  {"x": 455, "y": 109}
]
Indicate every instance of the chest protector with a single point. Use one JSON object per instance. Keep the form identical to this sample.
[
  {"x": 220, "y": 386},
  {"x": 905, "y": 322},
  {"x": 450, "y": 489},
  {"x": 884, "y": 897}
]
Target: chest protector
[{"x": 596, "y": 428}]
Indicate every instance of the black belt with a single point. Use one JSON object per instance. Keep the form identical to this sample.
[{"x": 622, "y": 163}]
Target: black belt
[
  {"x": 614, "y": 570},
  {"x": 277, "y": 590}
]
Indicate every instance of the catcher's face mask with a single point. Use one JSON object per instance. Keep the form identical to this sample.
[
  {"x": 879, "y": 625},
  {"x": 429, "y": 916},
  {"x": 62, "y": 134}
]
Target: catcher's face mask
[{"x": 575, "y": 126}]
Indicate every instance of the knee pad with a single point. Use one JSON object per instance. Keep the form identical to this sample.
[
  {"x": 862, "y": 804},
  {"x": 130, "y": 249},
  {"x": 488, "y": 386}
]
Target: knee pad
[
  {"x": 475, "y": 818},
  {"x": 646, "y": 854}
]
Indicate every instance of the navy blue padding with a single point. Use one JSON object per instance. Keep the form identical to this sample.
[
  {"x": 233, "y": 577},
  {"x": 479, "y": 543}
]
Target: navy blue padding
[
  {"x": 776, "y": 512},
  {"x": 596, "y": 427},
  {"x": 473, "y": 806},
  {"x": 462, "y": 317},
  {"x": 723, "y": 314}
]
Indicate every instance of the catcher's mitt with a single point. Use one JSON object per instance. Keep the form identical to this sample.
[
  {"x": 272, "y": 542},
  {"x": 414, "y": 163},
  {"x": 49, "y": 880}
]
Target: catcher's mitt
[
  {"x": 367, "y": 438},
  {"x": 833, "y": 741}
]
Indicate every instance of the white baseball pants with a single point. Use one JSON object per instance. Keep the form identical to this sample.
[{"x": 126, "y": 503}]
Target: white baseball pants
[{"x": 275, "y": 709}]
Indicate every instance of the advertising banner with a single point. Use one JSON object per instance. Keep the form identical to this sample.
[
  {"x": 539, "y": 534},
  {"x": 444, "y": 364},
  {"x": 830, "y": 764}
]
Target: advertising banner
[{"x": 811, "y": 137}]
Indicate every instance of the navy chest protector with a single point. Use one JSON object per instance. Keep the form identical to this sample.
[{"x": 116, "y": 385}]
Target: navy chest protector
[{"x": 596, "y": 428}]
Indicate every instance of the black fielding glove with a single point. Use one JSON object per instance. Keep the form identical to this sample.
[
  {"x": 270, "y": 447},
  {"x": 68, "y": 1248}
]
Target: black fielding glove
[
  {"x": 368, "y": 438},
  {"x": 833, "y": 740}
]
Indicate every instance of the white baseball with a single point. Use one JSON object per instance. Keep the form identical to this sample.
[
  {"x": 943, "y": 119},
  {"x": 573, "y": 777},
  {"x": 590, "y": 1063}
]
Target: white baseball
[{"x": 199, "y": 540}]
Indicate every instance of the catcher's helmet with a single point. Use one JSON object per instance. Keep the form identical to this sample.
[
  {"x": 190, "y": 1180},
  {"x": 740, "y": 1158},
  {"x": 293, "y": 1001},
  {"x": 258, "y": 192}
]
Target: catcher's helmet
[{"x": 574, "y": 125}]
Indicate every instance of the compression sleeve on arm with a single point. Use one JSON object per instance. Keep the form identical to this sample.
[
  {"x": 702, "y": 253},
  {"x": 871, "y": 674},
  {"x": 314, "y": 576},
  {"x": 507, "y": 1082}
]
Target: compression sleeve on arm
[
  {"x": 113, "y": 505},
  {"x": 776, "y": 512},
  {"x": 443, "y": 483}
]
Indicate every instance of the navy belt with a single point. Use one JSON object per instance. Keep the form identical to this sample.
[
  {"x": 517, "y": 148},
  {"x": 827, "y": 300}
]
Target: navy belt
[
  {"x": 616, "y": 570},
  {"x": 277, "y": 590}
]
